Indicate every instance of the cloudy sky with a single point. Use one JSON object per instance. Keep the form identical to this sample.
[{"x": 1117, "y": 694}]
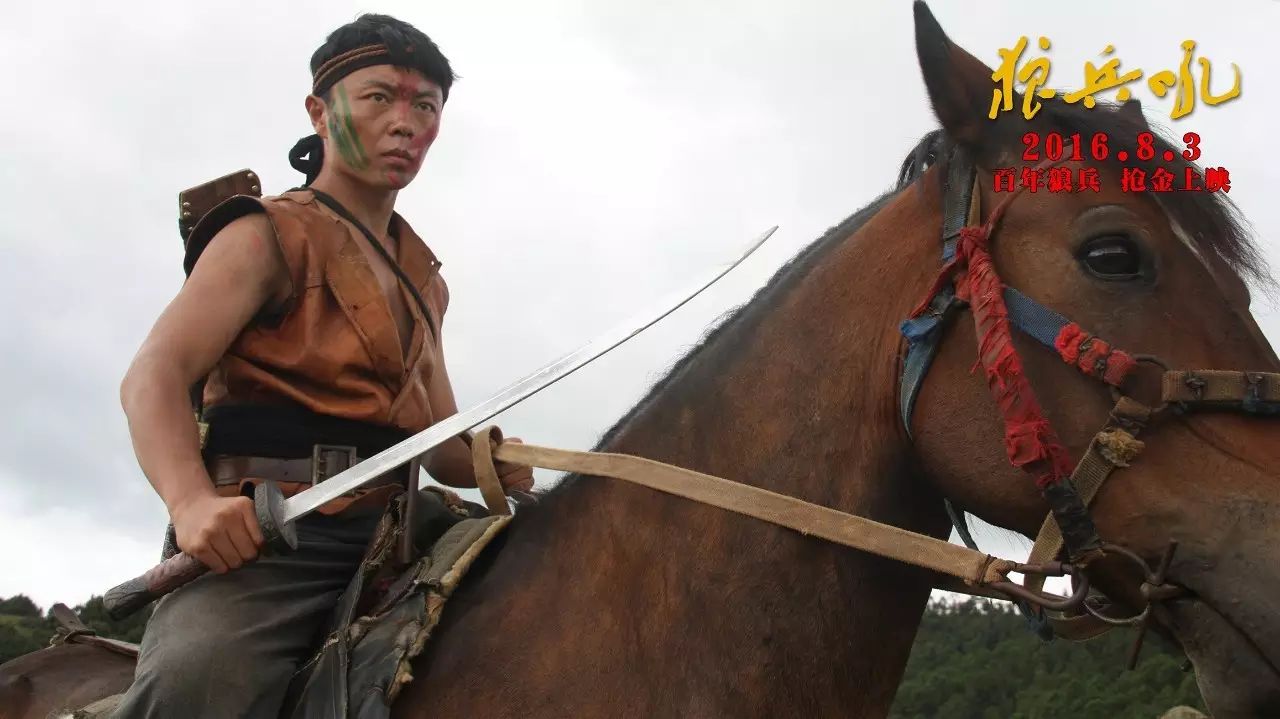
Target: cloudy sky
[{"x": 594, "y": 156}]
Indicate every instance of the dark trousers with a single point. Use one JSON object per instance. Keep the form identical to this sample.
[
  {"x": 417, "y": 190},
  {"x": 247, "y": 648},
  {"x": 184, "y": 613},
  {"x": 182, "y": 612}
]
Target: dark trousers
[{"x": 226, "y": 645}]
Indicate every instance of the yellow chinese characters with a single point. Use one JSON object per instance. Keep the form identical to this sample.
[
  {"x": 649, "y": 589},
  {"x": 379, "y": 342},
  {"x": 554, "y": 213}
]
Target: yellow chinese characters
[
  {"x": 1185, "y": 101},
  {"x": 1104, "y": 78},
  {"x": 1033, "y": 74}
]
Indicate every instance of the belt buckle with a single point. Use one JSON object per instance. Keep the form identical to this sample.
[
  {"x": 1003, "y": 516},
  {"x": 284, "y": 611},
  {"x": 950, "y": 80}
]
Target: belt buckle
[{"x": 324, "y": 454}]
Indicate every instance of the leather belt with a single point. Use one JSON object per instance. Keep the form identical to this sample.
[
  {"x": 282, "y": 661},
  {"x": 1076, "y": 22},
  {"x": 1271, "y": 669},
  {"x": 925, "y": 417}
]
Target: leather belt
[{"x": 326, "y": 461}]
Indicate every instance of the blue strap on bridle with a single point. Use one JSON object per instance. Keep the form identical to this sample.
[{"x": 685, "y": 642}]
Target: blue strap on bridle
[
  {"x": 924, "y": 333},
  {"x": 924, "y": 336},
  {"x": 1033, "y": 319}
]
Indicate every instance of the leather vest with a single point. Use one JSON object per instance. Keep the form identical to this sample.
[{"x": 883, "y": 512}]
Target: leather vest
[{"x": 333, "y": 348}]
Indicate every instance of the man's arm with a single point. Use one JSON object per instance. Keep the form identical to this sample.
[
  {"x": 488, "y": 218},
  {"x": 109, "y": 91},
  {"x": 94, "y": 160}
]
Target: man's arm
[
  {"x": 451, "y": 462},
  {"x": 239, "y": 272}
]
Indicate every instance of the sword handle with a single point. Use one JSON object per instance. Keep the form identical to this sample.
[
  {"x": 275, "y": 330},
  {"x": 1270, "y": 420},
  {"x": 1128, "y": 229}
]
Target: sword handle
[
  {"x": 125, "y": 599},
  {"x": 181, "y": 569}
]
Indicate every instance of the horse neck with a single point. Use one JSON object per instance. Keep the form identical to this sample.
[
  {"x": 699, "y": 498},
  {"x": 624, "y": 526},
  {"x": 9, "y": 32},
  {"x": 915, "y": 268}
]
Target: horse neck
[{"x": 698, "y": 606}]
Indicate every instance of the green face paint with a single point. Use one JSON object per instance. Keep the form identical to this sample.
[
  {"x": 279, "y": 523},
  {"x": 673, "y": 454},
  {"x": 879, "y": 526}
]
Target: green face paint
[{"x": 343, "y": 131}]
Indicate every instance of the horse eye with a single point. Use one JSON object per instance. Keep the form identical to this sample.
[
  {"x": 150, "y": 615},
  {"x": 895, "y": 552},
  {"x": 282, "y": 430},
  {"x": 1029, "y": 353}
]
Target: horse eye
[{"x": 1112, "y": 257}]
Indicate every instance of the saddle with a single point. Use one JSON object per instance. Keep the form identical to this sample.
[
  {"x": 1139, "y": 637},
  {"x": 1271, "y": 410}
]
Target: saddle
[{"x": 390, "y": 607}]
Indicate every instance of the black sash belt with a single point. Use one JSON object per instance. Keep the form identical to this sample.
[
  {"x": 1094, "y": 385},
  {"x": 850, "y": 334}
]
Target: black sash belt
[{"x": 290, "y": 432}]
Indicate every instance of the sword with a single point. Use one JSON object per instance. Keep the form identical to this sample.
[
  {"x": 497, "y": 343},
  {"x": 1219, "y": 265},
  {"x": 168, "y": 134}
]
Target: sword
[{"x": 276, "y": 514}]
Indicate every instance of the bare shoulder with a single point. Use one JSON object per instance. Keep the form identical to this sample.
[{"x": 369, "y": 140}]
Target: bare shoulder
[
  {"x": 239, "y": 274},
  {"x": 240, "y": 271},
  {"x": 244, "y": 257},
  {"x": 249, "y": 236}
]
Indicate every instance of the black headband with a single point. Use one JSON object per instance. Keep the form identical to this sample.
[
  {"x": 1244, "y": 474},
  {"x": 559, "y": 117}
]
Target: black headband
[{"x": 339, "y": 66}]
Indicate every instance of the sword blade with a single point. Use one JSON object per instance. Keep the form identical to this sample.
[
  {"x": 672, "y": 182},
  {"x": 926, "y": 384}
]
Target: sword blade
[{"x": 305, "y": 502}]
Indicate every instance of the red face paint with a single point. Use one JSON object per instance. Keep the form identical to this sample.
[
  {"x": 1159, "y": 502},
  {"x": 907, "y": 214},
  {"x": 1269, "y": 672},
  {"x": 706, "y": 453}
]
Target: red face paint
[
  {"x": 400, "y": 126},
  {"x": 423, "y": 124}
]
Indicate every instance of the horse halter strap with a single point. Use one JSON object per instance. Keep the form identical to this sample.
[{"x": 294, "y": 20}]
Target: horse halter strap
[{"x": 968, "y": 279}]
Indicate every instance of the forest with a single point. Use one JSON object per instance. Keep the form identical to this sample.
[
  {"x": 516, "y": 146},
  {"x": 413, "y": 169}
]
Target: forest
[{"x": 978, "y": 659}]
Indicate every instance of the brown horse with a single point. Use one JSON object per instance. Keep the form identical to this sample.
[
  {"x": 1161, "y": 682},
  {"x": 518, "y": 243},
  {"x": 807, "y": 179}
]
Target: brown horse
[
  {"x": 612, "y": 600},
  {"x": 61, "y": 679}
]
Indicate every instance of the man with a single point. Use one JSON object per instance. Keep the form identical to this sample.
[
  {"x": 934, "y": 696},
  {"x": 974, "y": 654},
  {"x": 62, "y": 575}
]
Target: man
[{"x": 316, "y": 317}]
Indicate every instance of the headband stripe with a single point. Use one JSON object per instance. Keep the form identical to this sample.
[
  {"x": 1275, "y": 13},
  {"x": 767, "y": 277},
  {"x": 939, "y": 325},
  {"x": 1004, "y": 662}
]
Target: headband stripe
[{"x": 348, "y": 62}]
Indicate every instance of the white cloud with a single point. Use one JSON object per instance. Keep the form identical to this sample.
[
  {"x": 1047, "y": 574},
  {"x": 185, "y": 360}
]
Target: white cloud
[{"x": 67, "y": 553}]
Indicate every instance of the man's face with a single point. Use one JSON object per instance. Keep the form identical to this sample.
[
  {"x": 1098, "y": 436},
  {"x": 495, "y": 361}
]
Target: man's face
[{"x": 378, "y": 124}]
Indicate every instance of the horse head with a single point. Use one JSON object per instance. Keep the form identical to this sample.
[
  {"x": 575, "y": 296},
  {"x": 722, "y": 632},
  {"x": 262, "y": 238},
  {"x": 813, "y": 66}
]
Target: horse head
[{"x": 1083, "y": 294}]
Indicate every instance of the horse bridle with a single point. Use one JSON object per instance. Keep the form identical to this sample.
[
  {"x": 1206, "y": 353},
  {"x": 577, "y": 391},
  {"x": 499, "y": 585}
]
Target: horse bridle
[{"x": 968, "y": 279}]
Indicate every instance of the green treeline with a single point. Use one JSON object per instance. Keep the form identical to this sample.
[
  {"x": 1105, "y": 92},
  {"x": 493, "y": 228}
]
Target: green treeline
[
  {"x": 977, "y": 659},
  {"x": 25, "y": 628}
]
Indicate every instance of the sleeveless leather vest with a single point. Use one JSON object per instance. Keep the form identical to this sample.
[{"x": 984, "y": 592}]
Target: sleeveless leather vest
[{"x": 333, "y": 348}]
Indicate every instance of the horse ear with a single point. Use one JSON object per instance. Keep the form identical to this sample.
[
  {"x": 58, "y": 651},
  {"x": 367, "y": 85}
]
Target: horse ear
[
  {"x": 960, "y": 86},
  {"x": 1132, "y": 109}
]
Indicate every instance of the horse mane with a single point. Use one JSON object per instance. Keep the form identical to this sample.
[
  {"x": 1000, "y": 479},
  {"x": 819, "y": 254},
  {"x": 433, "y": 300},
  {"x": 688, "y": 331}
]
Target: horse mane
[
  {"x": 1210, "y": 220},
  {"x": 738, "y": 322}
]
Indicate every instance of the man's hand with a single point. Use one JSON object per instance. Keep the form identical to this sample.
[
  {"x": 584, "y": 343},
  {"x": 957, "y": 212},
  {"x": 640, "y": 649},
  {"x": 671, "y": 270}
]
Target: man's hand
[
  {"x": 222, "y": 532},
  {"x": 514, "y": 477}
]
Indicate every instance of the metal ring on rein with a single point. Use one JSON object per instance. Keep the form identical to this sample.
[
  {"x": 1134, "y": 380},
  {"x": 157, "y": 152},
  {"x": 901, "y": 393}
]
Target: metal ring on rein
[
  {"x": 1153, "y": 587},
  {"x": 1047, "y": 601},
  {"x": 1116, "y": 393}
]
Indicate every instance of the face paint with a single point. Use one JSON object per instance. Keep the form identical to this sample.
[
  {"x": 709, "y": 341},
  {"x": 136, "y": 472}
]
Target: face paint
[
  {"x": 408, "y": 89},
  {"x": 343, "y": 131}
]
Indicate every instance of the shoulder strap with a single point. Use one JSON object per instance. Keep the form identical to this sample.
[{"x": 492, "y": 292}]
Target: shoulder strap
[{"x": 342, "y": 212}]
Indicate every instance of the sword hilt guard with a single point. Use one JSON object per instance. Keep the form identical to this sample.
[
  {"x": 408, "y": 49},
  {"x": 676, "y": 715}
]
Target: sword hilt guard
[{"x": 268, "y": 503}]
